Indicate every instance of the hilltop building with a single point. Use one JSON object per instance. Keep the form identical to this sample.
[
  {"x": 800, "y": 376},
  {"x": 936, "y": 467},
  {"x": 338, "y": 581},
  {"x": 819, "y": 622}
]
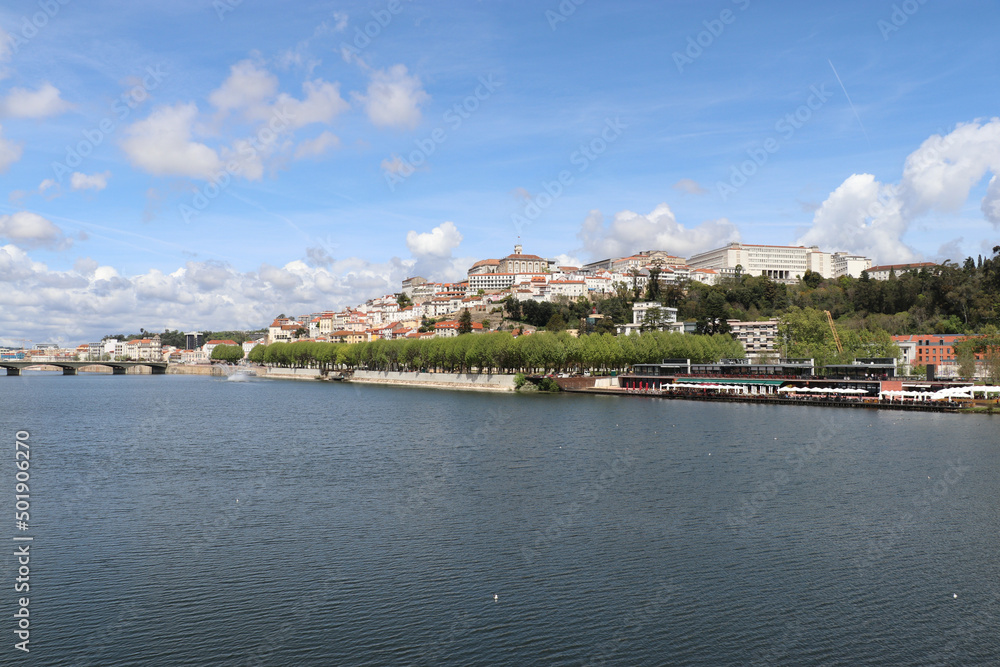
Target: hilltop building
[
  {"x": 882, "y": 272},
  {"x": 782, "y": 263}
]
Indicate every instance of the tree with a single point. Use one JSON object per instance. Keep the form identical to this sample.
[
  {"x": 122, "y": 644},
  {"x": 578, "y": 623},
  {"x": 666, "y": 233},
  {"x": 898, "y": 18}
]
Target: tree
[
  {"x": 714, "y": 314},
  {"x": 465, "y": 322},
  {"x": 653, "y": 319},
  {"x": 812, "y": 279},
  {"x": 229, "y": 354},
  {"x": 805, "y": 333},
  {"x": 403, "y": 300},
  {"x": 966, "y": 358},
  {"x": 653, "y": 287},
  {"x": 556, "y": 323}
]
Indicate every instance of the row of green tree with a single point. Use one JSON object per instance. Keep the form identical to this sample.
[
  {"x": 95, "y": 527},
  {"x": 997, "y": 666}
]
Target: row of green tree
[{"x": 500, "y": 352}]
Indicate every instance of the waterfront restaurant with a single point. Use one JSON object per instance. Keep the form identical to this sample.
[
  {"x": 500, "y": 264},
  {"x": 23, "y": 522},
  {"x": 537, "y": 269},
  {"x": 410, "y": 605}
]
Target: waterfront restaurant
[
  {"x": 726, "y": 376},
  {"x": 874, "y": 368}
]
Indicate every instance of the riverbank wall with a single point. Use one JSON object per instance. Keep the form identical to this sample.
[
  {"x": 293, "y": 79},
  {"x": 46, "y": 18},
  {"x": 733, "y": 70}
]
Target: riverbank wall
[{"x": 462, "y": 381}]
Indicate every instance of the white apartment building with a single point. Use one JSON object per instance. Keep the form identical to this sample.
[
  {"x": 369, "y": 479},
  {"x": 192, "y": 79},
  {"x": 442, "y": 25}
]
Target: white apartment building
[
  {"x": 845, "y": 264},
  {"x": 573, "y": 289},
  {"x": 758, "y": 338},
  {"x": 490, "y": 282}
]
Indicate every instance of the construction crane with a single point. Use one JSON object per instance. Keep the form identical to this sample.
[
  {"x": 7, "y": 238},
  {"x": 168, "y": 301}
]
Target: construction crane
[{"x": 836, "y": 338}]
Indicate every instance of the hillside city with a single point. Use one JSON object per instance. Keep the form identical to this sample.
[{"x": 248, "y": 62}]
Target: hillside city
[{"x": 499, "y": 293}]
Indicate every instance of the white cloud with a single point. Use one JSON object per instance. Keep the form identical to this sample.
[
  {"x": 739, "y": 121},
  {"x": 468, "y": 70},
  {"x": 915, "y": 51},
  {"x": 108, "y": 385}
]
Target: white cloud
[
  {"x": 865, "y": 216},
  {"x": 253, "y": 91},
  {"x": 630, "y": 232},
  {"x": 322, "y": 144},
  {"x": 432, "y": 253},
  {"x": 991, "y": 202},
  {"x": 861, "y": 216},
  {"x": 161, "y": 145},
  {"x": 30, "y": 230},
  {"x": 41, "y": 103},
  {"x": 941, "y": 173},
  {"x": 45, "y": 185},
  {"x": 92, "y": 300},
  {"x": 689, "y": 186},
  {"x": 568, "y": 260},
  {"x": 394, "y": 98},
  {"x": 439, "y": 242},
  {"x": 10, "y": 152},
  {"x": 247, "y": 87},
  {"x": 81, "y": 181},
  {"x": 322, "y": 104}
]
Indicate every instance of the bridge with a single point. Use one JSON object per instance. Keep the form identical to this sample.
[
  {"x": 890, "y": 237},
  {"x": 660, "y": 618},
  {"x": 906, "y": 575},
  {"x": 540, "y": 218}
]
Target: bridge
[{"x": 73, "y": 367}]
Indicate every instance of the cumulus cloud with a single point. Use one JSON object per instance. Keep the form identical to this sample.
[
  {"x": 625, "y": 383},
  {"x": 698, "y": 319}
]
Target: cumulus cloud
[
  {"x": 41, "y": 103},
  {"x": 91, "y": 299},
  {"x": 247, "y": 87},
  {"x": 865, "y": 216},
  {"x": 394, "y": 98},
  {"x": 80, "y": 181},
  {"x": 689, "y": 186},
  {"x": 324, "y": 143},
  {"x": 433, "y": 253},
  {"x": 439, "y": 242},
  {"x": 253, "y": 91},
  {"x": 322, "y": 103},
  {"x": 568, "y": 260},
  {"x": 630, "y": 232},
  {"x": 862, "y": 216},
  {"x": 161, "y": 144},
  {"x": 10, "y": 152},
  {"x": 30, "y": 230}
]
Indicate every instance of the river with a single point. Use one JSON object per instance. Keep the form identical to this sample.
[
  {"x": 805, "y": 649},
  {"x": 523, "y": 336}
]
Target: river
[{"x": 194, "y": 520}]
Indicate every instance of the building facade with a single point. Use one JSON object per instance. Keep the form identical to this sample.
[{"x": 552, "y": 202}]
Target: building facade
[
  {"x": 782, "y": 263},
  {"x": 758, "y": 338}
]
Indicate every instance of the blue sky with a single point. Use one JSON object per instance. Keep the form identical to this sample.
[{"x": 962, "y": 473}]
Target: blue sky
[{"x": 248, "y": 158}]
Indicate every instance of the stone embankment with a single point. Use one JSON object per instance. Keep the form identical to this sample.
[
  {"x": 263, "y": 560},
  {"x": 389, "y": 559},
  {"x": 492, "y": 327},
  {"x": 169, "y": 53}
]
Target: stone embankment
[{"x": 463, "y": 381}]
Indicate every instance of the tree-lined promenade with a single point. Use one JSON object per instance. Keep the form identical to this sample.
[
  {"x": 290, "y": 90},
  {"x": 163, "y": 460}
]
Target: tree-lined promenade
[{"x": 500, "y": 352}]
